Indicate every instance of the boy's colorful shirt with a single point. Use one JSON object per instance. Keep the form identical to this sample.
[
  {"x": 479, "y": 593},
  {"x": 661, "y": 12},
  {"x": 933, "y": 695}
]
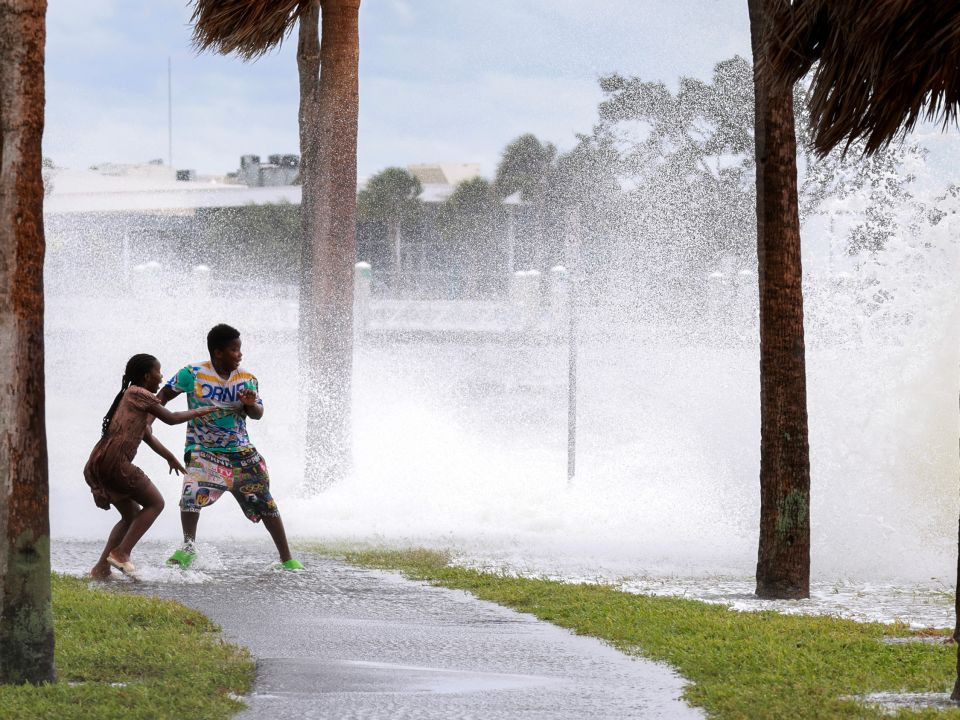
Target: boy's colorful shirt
[{"x": 226, "y": 429}]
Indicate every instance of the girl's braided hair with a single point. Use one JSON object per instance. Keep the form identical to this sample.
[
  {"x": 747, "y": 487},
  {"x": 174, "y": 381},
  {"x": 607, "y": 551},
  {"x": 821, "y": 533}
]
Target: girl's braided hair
[{"x": 137, "y": 366}]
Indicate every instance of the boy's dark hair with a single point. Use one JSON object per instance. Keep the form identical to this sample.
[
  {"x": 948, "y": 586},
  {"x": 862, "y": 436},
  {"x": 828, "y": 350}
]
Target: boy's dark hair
[{"x": 220, "y": 336}]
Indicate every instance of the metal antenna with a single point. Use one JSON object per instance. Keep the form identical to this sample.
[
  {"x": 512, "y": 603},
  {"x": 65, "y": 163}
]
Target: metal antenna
[{"x": 169, "y": 112}]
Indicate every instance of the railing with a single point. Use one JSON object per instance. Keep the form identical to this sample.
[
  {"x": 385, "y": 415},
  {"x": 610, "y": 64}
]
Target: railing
[
  {"x": 719, "y": 309},
  {"x": 438, "y": 285}
]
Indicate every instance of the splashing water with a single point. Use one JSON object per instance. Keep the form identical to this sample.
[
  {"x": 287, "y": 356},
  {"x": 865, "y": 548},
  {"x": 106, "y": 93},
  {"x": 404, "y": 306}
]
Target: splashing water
[{"x": 462, "y": 444}]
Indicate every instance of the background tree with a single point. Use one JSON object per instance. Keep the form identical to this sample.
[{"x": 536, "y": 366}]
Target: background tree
[
  {"x": 526, "y": 167},
  {"x": 234, "y": 239},
  {"x": 392, "y": 197},
  {"x": 584, "y": 180},
  {"x": 783, "y": 562},
  {"x": 881, "y": 67},
  {"x": 692, "y": 149},
  {"x": 471, "y": 223},
  {"x": 695, "y": 148},
  {"x": 876, "y": 186},
  {"x": 26, "y": 618},
  {"x": 327, "y": 63}
]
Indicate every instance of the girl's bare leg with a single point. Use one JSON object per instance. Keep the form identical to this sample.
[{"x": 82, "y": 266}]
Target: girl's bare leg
[
  {"x": 152, "y": 501},
  {"x": 101, "y": 570}
]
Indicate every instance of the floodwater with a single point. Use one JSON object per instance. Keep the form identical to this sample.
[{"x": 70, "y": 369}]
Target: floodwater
[
  {"x": 462, "y": 444},
  {"x": 928, "y": 604}
]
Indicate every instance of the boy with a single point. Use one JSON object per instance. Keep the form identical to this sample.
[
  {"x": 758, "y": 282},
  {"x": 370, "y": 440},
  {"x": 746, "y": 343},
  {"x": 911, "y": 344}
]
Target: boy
[{"x": 219, "y": 455}]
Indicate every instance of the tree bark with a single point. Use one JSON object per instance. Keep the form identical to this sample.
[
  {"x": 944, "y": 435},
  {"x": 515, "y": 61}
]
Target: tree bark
[
  {"x": 393, "y": 239},
  {"x": 26, "y": 619},
  {"x": 783, "y": 564},
  {"x": 308, "y": 68},
  {"x": 955, "y": 695},
  {"x": 328, "y": 136}
]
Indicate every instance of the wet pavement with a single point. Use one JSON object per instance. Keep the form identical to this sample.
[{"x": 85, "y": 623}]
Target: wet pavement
[{"x": 338, "y": 641}]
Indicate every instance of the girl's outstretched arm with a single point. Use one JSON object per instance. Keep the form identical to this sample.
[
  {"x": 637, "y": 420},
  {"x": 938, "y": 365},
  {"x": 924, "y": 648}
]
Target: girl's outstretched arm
[
  {"x": 175, "y": 418},
  {"x": 160, "y": 449}
]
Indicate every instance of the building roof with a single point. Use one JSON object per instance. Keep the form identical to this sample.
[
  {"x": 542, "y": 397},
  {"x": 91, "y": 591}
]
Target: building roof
[
  {"x": 444, "y": 173},
  {"x": 152, "y": 188},
  {"x": 146, "y": 188}
]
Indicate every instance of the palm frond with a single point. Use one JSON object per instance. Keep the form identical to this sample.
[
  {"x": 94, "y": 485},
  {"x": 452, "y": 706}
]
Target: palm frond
[
  {"x": 248, "y": 28},
  {"x": 881, "y": 65}
]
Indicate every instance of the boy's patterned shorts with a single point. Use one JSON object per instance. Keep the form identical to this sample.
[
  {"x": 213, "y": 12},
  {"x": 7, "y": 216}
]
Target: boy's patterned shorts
[{"x": 244, "y": 474}]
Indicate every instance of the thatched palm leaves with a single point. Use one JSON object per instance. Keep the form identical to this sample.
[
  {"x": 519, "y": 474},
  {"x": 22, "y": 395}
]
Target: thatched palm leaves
[
  {"x": 248, "y": 28},
  {"x": 328, "y": 68},
  {"x": 26, "y": 619},
  {"x": 880, "y": 66}
]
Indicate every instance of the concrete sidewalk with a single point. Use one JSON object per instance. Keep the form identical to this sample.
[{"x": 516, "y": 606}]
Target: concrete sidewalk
[{"x": 341, "y": 642}]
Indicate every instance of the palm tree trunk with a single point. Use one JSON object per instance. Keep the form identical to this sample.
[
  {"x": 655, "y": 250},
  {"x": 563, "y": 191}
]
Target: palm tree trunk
[
  {"x": 308, "y": 68},
  {"x": 328, "y": 135},
  {"x": 393, "y": 239},
  {"x": 783, "y": 563},
  {"x": 955, "y": 695},
  {"x": 26, "y": 619}
]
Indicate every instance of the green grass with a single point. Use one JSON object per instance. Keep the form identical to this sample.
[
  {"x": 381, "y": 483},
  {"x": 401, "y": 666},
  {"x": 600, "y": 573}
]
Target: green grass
[
  {"x": 740, "y": 664},
  {"x": 170, "y": 660}
]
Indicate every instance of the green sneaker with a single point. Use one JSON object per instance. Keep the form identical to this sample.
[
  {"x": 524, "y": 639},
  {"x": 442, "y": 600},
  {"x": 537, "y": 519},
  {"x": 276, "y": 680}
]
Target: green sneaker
[
  {"x": 292, "y": 564},
  {"x": 183, "y": 557}
]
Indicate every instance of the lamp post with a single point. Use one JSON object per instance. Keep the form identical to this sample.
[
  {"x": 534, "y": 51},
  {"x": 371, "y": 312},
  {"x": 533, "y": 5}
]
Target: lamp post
[{"x": 571, "y": 257}]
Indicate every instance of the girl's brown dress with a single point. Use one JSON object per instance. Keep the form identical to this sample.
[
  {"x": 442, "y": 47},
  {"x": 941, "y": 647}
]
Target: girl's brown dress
[{"x": 110, "y": 471}]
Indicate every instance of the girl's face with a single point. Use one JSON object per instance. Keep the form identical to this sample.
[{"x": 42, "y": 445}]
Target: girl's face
[{"x": 153, "y": 379}]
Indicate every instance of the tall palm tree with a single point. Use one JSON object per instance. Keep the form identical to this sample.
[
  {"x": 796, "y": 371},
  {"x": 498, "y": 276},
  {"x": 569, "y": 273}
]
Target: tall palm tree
[
  {"x": 527, "y": 166},
  {"x": 26, "y": 619},
  {"x": 783, "y": 561},
  {"x": 881, "y": 67},
  {"x": 471, "y": 222},
  {"x": 329, "y": 98},
  {"x": 391, "y": 196}
]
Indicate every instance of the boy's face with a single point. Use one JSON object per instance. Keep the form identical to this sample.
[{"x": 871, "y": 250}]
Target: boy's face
[{"x": 229, "y": 358}]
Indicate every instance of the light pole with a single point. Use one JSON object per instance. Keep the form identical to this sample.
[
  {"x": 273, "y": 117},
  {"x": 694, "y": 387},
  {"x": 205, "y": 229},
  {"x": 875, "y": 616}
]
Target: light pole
[{"x": 571, "y": 257}]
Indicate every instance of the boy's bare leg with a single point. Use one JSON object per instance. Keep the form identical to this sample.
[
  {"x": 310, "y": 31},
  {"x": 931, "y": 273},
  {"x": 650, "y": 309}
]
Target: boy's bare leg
[
  {"x": 274, "y": 526},
  {"x": 188, "y": 521},
  {"x": 101, "y": 570}
]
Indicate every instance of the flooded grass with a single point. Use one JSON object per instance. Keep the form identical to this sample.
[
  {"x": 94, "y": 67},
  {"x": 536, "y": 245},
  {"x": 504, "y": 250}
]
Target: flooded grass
[
  {"x": 761, "y": 664},
  {"x": 132, "y": 657}
]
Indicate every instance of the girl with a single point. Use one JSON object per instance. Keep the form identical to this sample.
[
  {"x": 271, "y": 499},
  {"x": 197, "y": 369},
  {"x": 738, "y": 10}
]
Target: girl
[{"x": 109, "y": 472}]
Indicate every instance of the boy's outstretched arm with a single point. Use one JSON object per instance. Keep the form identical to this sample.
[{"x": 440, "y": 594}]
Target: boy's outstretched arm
[
  {"x": 160, "y": 449},
  {"x": 175, "y": 418},
  {"x": 166, "y": 394}
]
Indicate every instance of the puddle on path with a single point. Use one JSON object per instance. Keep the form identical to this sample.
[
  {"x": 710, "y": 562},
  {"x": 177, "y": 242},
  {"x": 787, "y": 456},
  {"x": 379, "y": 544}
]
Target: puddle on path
[{"x": 315, "y": 676}]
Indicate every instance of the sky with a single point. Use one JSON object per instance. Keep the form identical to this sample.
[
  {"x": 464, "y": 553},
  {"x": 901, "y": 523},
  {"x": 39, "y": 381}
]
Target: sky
[{"x": 440, "y": 80}]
